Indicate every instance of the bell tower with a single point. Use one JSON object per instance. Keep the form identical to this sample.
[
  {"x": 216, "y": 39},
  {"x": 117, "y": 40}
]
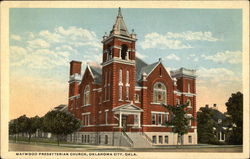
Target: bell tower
[{"x": 118, "y": 63}]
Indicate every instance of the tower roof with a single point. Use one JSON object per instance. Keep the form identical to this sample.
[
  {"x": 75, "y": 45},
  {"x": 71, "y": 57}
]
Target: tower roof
[{"x": 119, "y": 28}]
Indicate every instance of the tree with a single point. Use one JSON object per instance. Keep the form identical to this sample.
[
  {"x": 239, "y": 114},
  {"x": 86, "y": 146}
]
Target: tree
[
  {"x": 235, "y": 115},
  {"x": 13, "y": 128},
  {"x": 34, "y": 123},
  {"x": 179, "y": 121},
  {"x": 205, "y": 126},
  {"x": 22, "y": 124},
  {"x": 60, "y": 123}
]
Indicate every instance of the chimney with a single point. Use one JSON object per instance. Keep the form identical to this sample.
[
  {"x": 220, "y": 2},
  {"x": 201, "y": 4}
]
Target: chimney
[{"x": 75, "y": 67}]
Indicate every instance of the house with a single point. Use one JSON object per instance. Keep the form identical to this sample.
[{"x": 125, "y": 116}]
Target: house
[
  {"x": 62, "y": 108},
  {"x": 221, "y": 124},
  {"x": 120, "y": 101}
]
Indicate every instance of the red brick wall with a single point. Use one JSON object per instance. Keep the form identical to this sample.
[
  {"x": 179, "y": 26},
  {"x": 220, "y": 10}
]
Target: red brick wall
[{"x": 75, "y": 67}]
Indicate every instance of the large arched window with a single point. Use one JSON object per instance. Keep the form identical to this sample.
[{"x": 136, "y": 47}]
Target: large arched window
[
  {"x": 189, "y": 103},
  {"x": 86, "y": 95},
  {"x": 160, "y": 93},
  {"x": 109, "y": 54},
  {"x": 124, "y": 52},
  {"x": 189, "y": 88}
]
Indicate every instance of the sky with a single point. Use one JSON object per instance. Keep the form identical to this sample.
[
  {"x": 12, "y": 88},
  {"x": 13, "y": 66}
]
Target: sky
[{"x": 44, "y": 41}]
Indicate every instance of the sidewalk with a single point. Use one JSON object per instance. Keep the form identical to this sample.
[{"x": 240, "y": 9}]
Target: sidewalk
[{"x": 104, "y": 148}]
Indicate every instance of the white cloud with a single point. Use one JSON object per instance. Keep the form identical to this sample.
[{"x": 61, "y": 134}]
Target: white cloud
[
  {"x": 75, "y": 33},
  {"x": 172, "y": 40},
  {"x": 38, "y": 43},
  {"x": 15, "y": 37},
  {"x": 51, "y": 37},
  {"x": 193, "y": 57},
  {"x": 196, "y": 59},
  {"x": 231, "y": 57},
  {"x": 39, "y": 59},
  {"x": 217, "y": 76},
  {"x": 67, "y": 48},
  {"x": 17, "y": 53},
  {"x": 172, "y": 57},
  {"x": 141, "y": 56},
  {"x": 48, "y": 49},
  {"x": 191, "y": 36},
  {"x": 155, "y": 40}
]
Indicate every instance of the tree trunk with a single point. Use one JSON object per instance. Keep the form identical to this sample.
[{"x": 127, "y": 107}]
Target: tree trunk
[
  {"x": 181, "y": 140},
  {"x": 177, "y": 141},
  {"x": 58, "y": 140},
  {"x": 29, "y": 137},
  {"x": 15, "y": 138}
]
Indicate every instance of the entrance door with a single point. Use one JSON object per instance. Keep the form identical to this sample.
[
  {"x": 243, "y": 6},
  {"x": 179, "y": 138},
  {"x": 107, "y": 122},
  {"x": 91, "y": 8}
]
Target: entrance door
[{"x": 124, "y": 122}]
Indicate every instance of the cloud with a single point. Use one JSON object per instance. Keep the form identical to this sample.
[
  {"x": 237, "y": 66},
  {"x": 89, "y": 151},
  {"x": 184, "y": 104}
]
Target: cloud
[
  {"x": 155, "y": 40},
  {"x": 192, "y": 36},
  {"x": 172, "y": 40},
  {"x": 17, "y": 51},
  {"x": 49, "y": 49},
  {"x": 217, "y": 76},
  {"x": 51, "y": 37},
  {"x": 215, "y": 85},
  {"x": 172, "y": 57},
  {"x": 17, "y": 54},
  {"x": 15, "y": 37},
  {"x": 231, "y": 57},
  {"x": 141, "y": 56},
  {"x": 196, "y": 59},
  {"x": 66, "y": 48},
  {"x": 38, "y": 43},
  {"x": 193, "y": 57}
]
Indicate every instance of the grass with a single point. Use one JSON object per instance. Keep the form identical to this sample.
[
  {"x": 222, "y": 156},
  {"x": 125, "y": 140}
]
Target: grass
[{"x": 41, "y": 141}]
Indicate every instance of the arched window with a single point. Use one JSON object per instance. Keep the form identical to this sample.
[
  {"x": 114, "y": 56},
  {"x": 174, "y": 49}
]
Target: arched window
[
  {"x": 178, "y": 102},
  {"x": 124, "y": 52},
  {"x": 160, "y": 93},
  {"x": 109, "y": 53},
  {"x": 188, "y": 87},
  {"x": 137, "y": 98},
  {"x": 120, "y": 84},
  {"x": 120, "y": 76},
  {"x": 189, "y": 103},
  {"x": 86, "y": 96}
]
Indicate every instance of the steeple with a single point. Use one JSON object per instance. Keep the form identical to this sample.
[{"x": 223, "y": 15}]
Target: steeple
[
  {"x": 119, "y": 12},
  {"x": 119, "y": 28}
]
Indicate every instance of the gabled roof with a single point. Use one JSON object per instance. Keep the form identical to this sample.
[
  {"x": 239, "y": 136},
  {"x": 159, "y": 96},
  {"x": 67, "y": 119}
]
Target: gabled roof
[
  {"x": 61, "y": 107},
  {"x": 97, "y": 73},
  {"x": 119, "y": 28},
  {"x": 128, "y": 108},
  {"x": 141, "y": 67},
  {"x": 148, "y": 69},
  {"x": 139, "y": 64}
]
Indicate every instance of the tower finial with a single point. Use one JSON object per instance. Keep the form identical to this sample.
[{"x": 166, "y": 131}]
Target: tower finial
[{"x": 119, "y": 12}]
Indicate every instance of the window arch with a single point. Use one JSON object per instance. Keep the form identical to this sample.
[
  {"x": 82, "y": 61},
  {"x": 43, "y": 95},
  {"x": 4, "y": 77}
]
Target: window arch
[
  {"x": 189, "y": 103},
  {"x": 86, "y": 95},
  {"x": 109, "y": 53},
  {"x": 124, "y": 51},
  {"x": 160, "y": 93},
  {"x": 189, "y": 88}
]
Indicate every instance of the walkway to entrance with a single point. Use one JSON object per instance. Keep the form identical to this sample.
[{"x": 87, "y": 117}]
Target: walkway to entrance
[{"x": 128, "y": 109}]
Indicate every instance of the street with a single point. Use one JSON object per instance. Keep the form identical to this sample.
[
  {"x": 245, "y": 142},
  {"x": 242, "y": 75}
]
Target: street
[{"x": 94, "y": 148}]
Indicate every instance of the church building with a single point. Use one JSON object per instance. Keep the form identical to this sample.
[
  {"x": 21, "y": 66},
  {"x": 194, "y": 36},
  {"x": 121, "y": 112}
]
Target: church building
[{"x": 120, "y": 102}]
